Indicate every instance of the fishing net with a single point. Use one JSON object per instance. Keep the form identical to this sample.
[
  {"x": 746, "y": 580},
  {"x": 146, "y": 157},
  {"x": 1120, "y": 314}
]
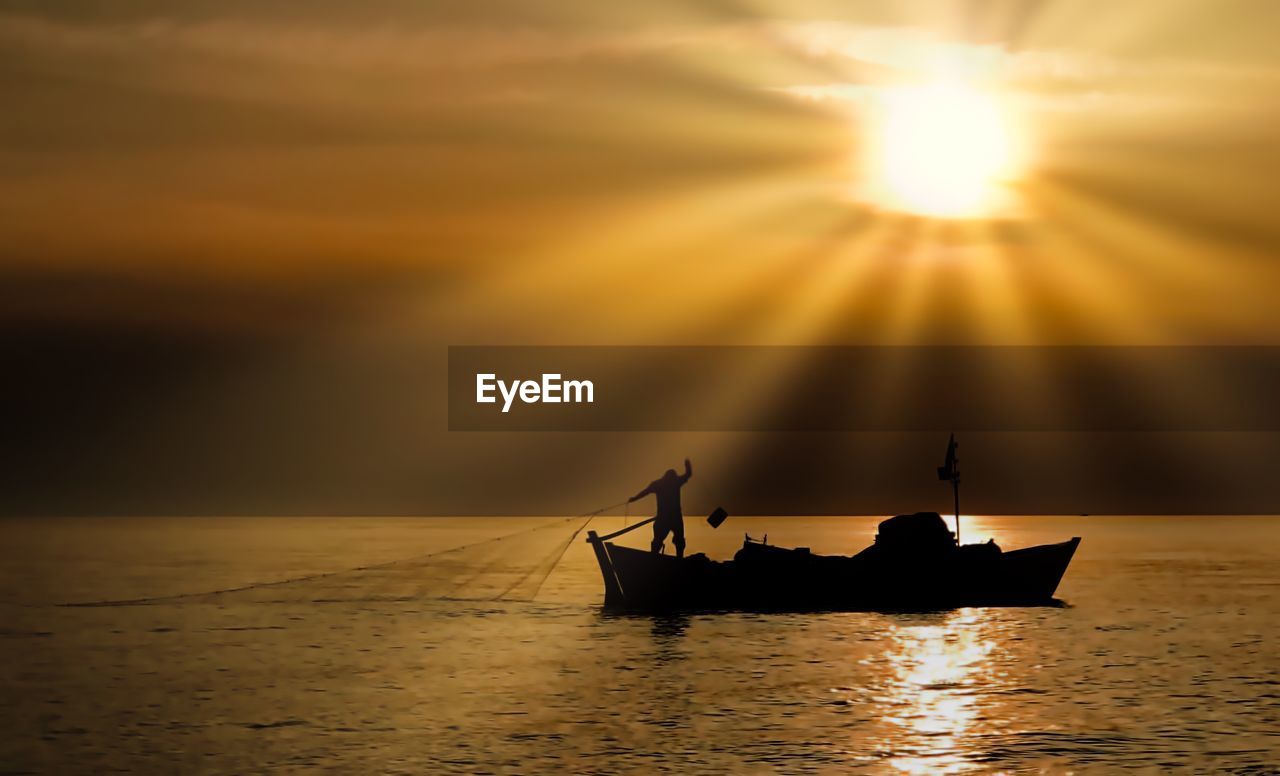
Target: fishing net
[{"x": 511, "y": 567}]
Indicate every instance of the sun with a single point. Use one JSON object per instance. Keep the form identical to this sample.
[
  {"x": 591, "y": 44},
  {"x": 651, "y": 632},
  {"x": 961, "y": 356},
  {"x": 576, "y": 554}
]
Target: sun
[{"x": 944, "y": 150}]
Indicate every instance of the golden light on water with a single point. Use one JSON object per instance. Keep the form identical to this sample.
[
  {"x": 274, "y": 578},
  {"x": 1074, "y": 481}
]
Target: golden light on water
[
  {"x": 943, "y": 149},
  {"x": 932, "y": 665}
]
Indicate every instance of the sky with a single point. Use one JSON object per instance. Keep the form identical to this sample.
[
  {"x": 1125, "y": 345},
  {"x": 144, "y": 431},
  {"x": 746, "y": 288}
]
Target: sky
[{"x": 237, "y": 238}]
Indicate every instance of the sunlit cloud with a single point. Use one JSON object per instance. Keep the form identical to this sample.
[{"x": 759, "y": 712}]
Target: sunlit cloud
[{"x": 644, "y": 175}]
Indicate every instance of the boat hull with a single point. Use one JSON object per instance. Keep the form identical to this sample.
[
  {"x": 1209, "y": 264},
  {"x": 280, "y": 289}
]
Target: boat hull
[{"x": 767, "y": 578}]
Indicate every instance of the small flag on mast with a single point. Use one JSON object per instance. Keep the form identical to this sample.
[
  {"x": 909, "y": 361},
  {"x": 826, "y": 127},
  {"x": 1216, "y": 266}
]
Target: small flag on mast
[{"x": 947, "y": 471}]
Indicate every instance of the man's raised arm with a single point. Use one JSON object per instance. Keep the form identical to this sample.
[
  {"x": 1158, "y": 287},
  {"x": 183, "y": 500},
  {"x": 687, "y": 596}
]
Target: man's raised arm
[{"x": 688, "y": 471}]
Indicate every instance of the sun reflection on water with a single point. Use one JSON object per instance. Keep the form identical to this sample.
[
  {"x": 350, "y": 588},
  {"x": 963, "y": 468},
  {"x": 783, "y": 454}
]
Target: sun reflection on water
[{"x": 933, "y": 670}]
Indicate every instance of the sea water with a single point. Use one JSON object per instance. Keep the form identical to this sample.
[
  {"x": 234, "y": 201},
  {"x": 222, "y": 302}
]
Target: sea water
[{"x": 1164, "y": 656}]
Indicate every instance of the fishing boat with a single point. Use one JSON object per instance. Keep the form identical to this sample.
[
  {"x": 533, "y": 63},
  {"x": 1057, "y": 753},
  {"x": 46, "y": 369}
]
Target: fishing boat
[
  {"x": 915, "y": 563},
  {"x": 902, "y": 570}
]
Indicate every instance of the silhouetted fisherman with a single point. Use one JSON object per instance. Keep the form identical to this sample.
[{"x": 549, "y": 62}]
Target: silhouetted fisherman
[{"x": 670, "y": 518}]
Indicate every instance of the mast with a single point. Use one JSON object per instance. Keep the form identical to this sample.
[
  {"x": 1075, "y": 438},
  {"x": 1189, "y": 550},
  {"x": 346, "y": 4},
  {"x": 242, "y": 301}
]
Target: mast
[
  {"x": 950, "y": 470},
  {"x": 955, "y": 492}
]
